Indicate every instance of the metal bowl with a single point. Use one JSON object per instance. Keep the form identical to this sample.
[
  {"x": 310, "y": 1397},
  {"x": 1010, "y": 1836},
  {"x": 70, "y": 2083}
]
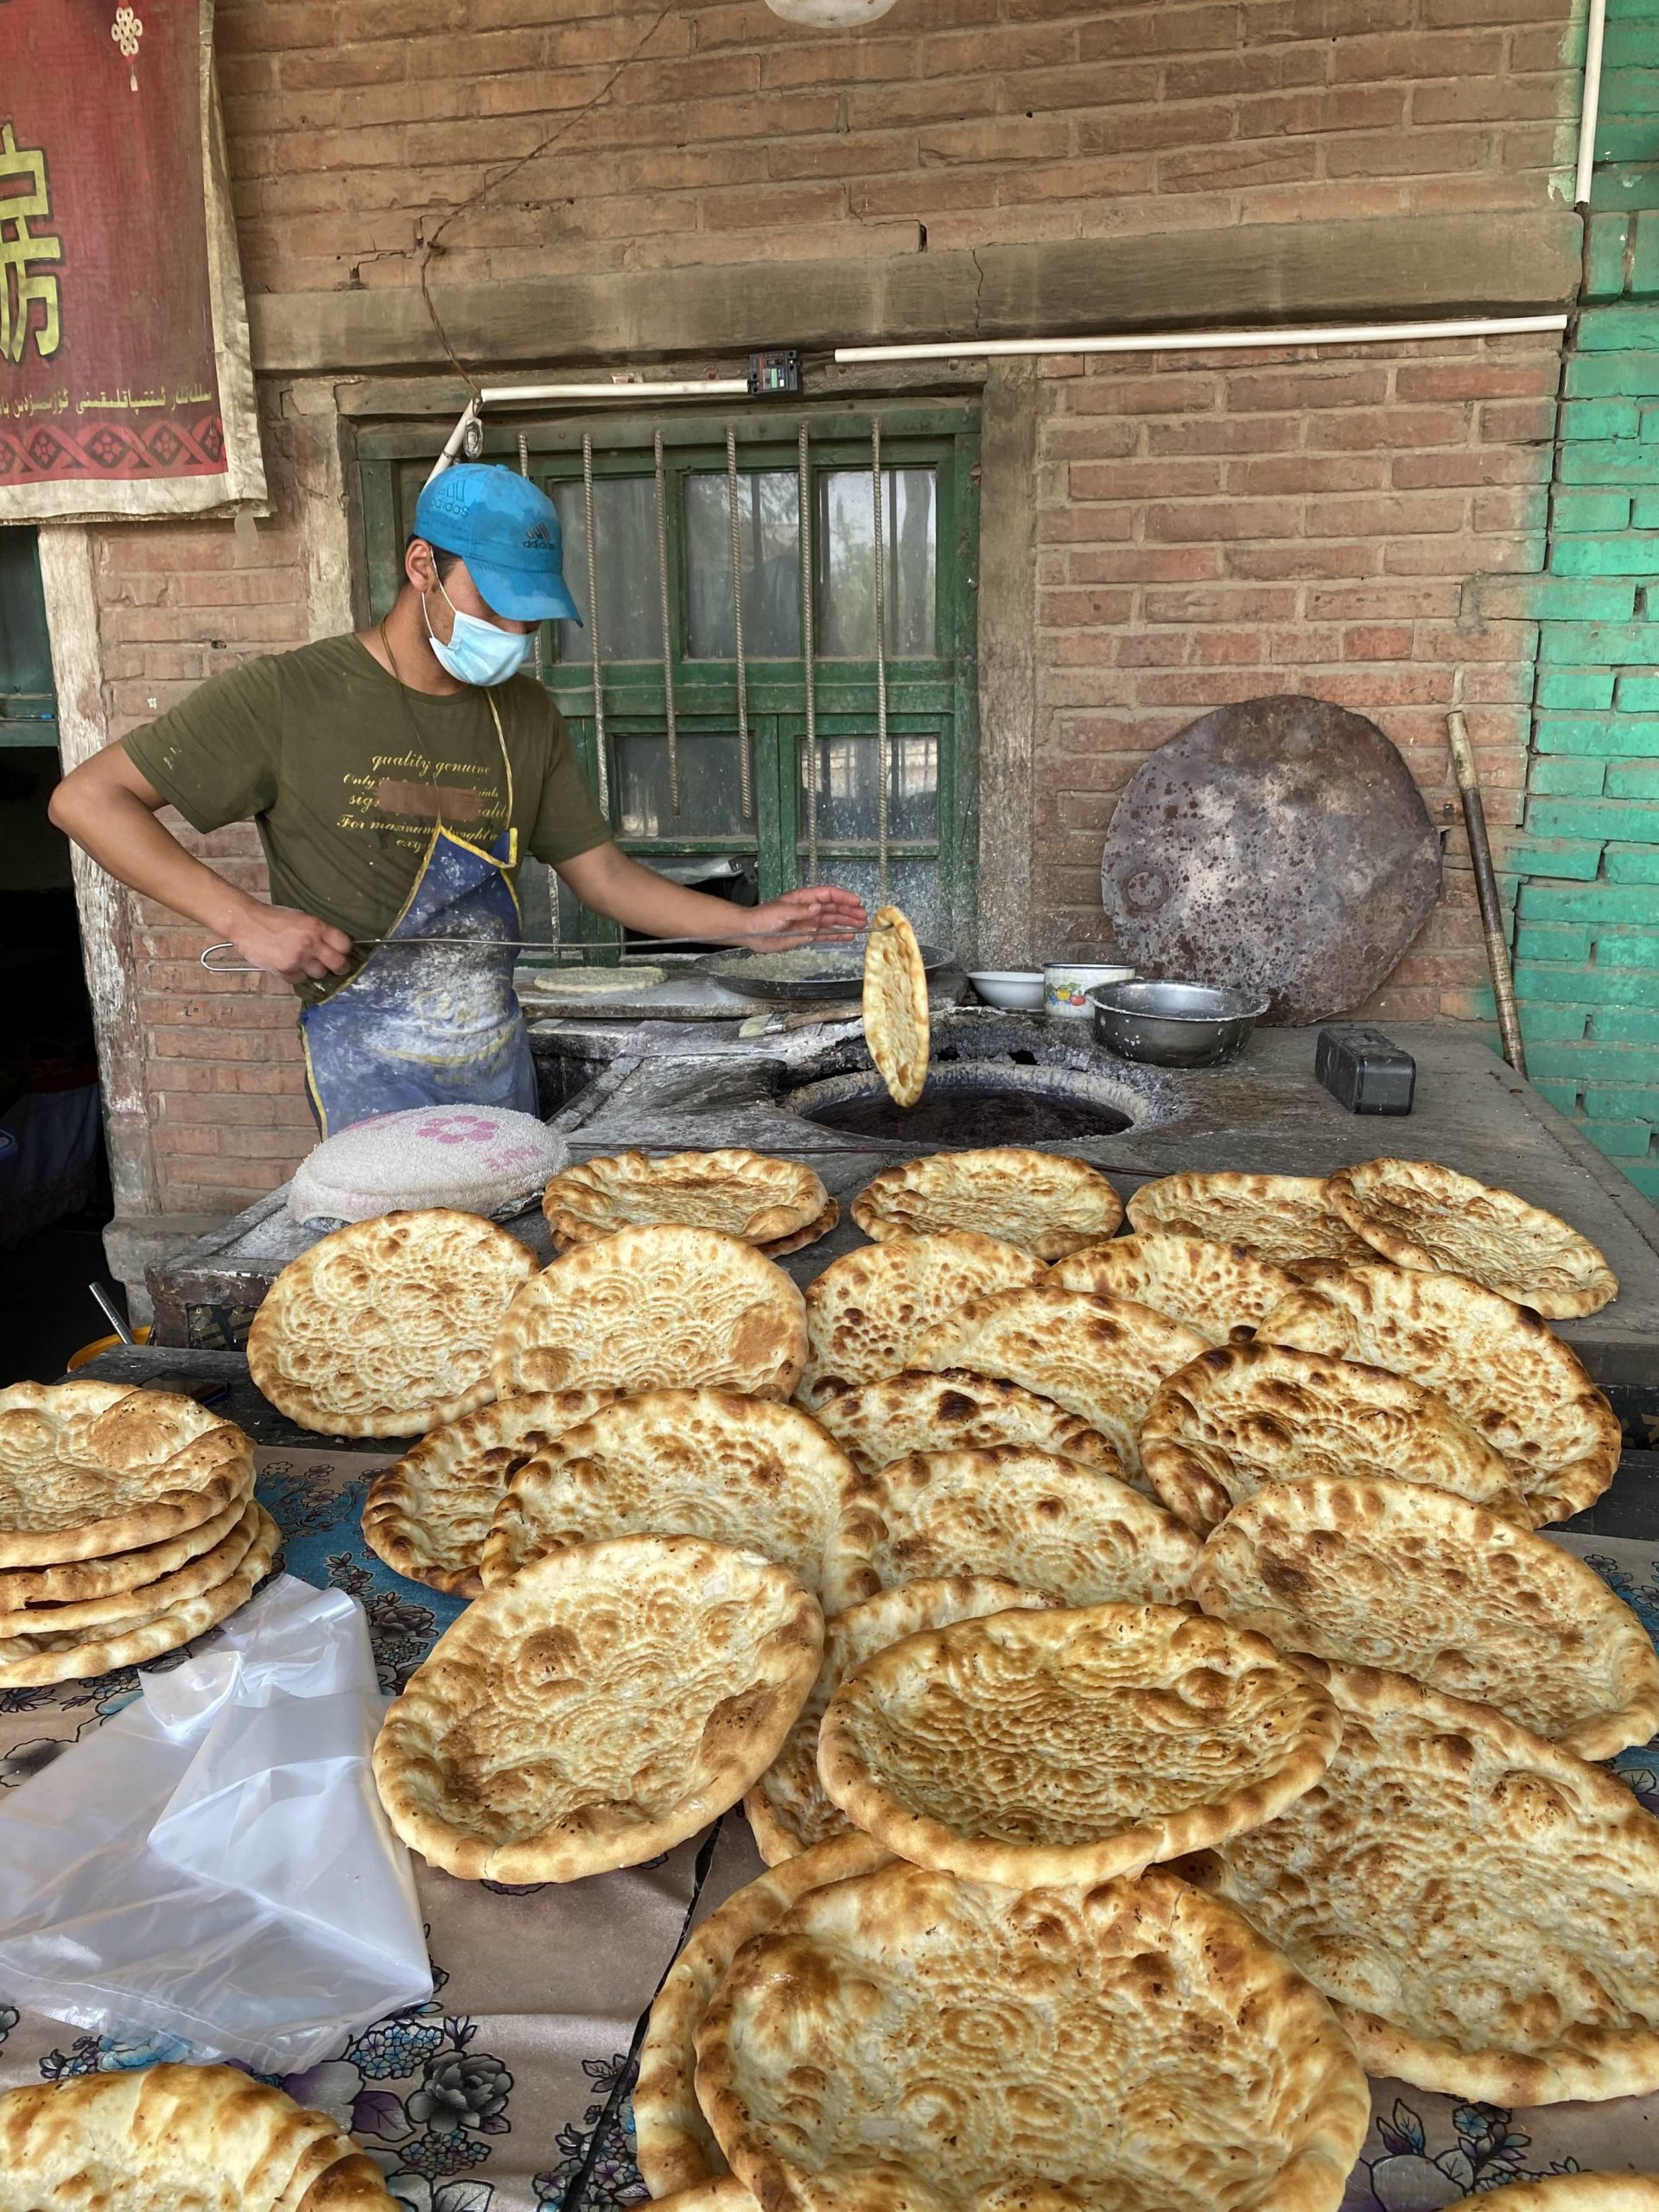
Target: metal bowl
[{"x": 1173, "y": 1025}]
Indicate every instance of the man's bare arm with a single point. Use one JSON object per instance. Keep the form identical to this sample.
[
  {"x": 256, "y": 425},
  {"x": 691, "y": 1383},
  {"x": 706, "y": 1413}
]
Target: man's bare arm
[{"x": 109, "y": 808}]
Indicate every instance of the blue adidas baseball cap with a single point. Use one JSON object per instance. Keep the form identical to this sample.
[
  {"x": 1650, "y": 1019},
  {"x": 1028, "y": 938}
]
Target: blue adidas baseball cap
[{"x": 507, "y": 532}]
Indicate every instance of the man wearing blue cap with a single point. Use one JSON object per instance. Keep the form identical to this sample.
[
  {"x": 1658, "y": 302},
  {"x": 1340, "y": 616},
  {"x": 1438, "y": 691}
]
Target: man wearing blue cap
[{"x": 397, "y": 777}]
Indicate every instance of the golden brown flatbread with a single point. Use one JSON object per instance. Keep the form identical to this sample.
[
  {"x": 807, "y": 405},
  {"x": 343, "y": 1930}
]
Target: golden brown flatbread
[
  {"x": 1391, "y": 1575},
  {"x": 747, "y": 1194},
  {"x": 80, "y": 1615},
  {"x": 1214, "y": 1288},
  {"x": 598, "y": 1708},
  {"x": 660, "y": 1308},
  {"x": 1039, "y": 1202},
  {"x": 680, "y": 1463},
  {"x": 901, "y": 2039},
  {"x": 427, "y": 1514},
  {"x": 160, "y": 2139},
  {"x": 1102, "y": 1358},
  {"x": 90, "y": 1468},
  {"x": 1281, "y": 1218},
  {"x": 777, "y": 1247},
  {"x": 675, "y": 2148},
  {"x": 1249, "y": 1413},
  {"x": 383, "y": 1328},
  {"x": 787, "y": 1809},
  {"x": 867, "y": 1310},
  {"x": 896, "y": 1022},
  {"x": 1027, "y": 1517},
  {"x": 73, "y": 1580},
  {"x": 1578, "y": 2193},
  {"x": 916, "y": 1411},
  {"x": 1481, "y": 1905},
  {"x": 1039, "y": 1749},
  {"x": 1420, "y": 1215},
  {"x": 1495, "y": 1364}
]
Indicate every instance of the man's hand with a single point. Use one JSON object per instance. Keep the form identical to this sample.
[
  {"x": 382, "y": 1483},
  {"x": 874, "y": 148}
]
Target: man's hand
[
  {"x": 800, "y": 916},
  {"x": 290, "y": 945}
]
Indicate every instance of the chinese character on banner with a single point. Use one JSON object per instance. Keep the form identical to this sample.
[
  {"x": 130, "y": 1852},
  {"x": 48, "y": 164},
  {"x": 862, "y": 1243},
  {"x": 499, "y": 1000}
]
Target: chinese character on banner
[{"x": 22, "y": 250}]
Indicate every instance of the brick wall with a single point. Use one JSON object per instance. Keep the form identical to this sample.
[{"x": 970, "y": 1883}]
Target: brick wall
[
  {"x": 1218, "y": 526},
  {"x": 542, "y": 136}
]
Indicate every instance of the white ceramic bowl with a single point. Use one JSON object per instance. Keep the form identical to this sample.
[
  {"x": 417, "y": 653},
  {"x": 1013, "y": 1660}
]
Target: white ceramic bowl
[
  {"x": 1018, "y": 987},
  {"x": 1067, "y": 983}
]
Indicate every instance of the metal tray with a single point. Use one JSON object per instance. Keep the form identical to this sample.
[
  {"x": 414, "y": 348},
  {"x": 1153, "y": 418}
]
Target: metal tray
[{"x": 840, "y": 972}]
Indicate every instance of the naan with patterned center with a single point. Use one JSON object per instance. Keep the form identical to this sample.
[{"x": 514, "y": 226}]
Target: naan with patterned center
[
  {"x": 1389, "y": 1575},
  {"x": 1039, "y": 1202},
  {"x": 1037, "y": 1749},
  {"x": 1481, "y": 1905},
  {"x": 1047, "y": 1523},
  {"x": 91, "y": 1468},
  {"x": 866, "y": 1311},
  {"x": 787, "y": 1809},
  {"x": 680, "y": 1463},
  {"x": 1495, "y": 1364},
  {"x": 383, "y": 1328},
  {"x": 1283, "y": 1218},
  {"x": 1245, "y": 1414},
  {"x": 916, "y": 1411},
  {"x": 597, "y": 1709},
  {"x": 1102, "y": 1358},
  {"x": 897, "y": 1027},
  {"x": 660, "y": 1308},
  {"x": 427, "y": 1514},
  {"x": 675, "y": 2147},
  {"x": 904, "y": 2040},
  {"x": 1214, "y": 1288},
  {"x": 745, "y": 1194},
  {"x": 1419, "y": 1215},
  {"x": 162, "y": 2138}
]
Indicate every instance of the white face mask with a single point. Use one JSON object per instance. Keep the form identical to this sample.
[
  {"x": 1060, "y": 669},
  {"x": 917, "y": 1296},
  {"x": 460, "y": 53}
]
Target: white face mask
[{"x": 477, "y": 652}]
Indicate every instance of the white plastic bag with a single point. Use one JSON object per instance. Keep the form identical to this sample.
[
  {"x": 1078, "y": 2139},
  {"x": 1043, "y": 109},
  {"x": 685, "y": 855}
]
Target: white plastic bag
[{"x": 213, "y": 1865}]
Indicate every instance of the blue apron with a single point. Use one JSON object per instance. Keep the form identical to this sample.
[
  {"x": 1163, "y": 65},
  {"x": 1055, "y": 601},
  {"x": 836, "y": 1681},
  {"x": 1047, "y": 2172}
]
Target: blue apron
[{"x": 431, "y": 1025}]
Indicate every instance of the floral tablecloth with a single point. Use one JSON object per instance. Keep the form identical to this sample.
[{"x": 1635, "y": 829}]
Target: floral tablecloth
[{"x": 508, "y": 2092}]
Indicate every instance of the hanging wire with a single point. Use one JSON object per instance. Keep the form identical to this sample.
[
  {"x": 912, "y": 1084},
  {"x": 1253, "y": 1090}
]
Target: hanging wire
[
  {"x": 593, "y": 627},
  {"x": 668, "y": 648},
  {"x": 805, "y": 501},
  {"x": 744, "y": 771},
  {"x": 882, "y": 768},
  {"x": 523, "y": 470}
]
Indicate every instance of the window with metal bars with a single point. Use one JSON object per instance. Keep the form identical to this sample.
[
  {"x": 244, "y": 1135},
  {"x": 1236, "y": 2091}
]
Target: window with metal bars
[
  {"x": 700, "y": 749},
  {"x": 28, "y": 702}
]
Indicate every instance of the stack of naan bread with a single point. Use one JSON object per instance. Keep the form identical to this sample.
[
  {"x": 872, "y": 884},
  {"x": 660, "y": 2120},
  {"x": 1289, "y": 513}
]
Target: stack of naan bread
[
  {"x": 127, "y": 1527},
  {"x": 1134, "y": 1655}
]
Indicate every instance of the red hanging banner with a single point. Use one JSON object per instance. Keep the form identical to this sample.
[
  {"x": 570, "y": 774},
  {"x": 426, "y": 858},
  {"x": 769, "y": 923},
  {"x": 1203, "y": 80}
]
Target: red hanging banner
[{"x": 126, "y": 385}]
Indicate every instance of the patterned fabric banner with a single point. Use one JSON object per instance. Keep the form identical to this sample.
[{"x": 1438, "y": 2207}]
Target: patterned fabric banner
[{"x": 125, "y": 383}]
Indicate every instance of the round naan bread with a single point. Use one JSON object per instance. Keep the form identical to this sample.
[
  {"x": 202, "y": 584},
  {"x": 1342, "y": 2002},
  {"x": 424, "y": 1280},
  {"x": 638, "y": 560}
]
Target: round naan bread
[
  {"x": 80, "y": 1615},
  {"x": 427, "y": 1514},
  {"x": 744, "y": 1194},
  {"x": 597, "y": 1709},
  {"x": 158, "y": 2138},
  {"x": 1376, "y": 1574},
  {"x": 1245, "y": 1414},
  {"x": 867, "y": 1310},
  {"x": 76, "y": 1581},
  {"x": 1481, "y": 1906},
  {"x": 1495, "y": 1364},
  {"x": 1037, "y": 1749},
  {"x": 904, "y": 2040},
  {"x": 916, "y": 1411},
  {"x": 1578, "y": 2193},
  {"x": 896, "y": 1022},
  {"x": 1102, "y": 1358},
  {"x": 778, "y": 1248},
  {"x": 1214, "y": 1288},
  {"x": 1419, "y": 1215},
  {"x": 1046, "y": 1524},
  {"x": 787, "y": 1809},
  {"x": 658, "y": 1309},
  {"x": 385, "y": 1327},
  {"x": 1281, "y": 1218},
  {"x": 1039, "y": 1202},
  {"x": 91, "y": 1468},
  {"x": 675, "y": 2148},
  {"x": 680, "y": 1463}
]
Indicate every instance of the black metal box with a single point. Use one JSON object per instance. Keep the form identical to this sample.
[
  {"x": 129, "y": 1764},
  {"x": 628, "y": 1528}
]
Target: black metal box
[{"x": 1364, "y": 1070}]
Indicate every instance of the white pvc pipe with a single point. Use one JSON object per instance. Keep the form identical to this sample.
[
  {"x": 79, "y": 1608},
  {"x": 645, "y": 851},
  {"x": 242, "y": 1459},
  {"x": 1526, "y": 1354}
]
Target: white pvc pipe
[
  {"x": 1592, "y": 107},
  {"x": 1208, "y": 342}
]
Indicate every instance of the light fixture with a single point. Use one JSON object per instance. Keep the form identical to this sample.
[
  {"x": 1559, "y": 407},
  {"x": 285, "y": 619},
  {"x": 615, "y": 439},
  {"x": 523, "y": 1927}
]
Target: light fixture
[{"x": 830, "y": 14}]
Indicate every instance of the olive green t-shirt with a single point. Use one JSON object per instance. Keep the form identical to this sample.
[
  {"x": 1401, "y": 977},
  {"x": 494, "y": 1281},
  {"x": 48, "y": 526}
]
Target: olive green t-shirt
[{"x": 347, "y": 773}]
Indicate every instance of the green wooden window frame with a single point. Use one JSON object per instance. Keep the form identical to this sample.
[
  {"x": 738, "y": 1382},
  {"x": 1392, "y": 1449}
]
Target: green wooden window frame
[
  {"x": 936, "y": 697},
  {"x": 28, "y": 699}
]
